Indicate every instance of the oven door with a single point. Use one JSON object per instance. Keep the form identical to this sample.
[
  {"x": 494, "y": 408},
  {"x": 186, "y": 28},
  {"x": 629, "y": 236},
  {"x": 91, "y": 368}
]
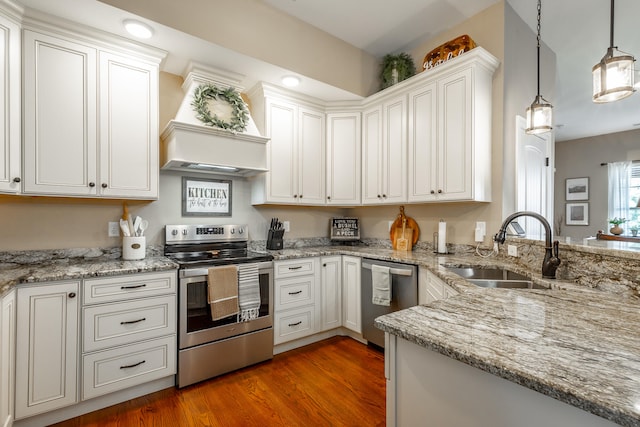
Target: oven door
[{"x": 195, "y": 326}]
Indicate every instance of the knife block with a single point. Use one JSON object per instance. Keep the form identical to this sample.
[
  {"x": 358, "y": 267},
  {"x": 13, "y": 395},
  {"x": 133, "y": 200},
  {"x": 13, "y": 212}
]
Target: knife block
[{"x": 274, "y": 239}]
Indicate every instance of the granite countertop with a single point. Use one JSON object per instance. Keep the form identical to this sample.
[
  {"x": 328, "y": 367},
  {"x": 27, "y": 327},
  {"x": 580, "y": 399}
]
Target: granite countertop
[
  {"x": 580, "y": 347},
  {"x": 47, "y": 266}
]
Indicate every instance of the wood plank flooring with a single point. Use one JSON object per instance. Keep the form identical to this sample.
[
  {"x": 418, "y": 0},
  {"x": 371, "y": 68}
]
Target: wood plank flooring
[{"x": 336, "y": 382}]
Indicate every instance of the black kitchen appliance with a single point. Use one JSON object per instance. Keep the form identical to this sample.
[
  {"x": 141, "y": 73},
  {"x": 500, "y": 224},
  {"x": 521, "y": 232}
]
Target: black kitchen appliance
[{"x": 206, "y": 347}]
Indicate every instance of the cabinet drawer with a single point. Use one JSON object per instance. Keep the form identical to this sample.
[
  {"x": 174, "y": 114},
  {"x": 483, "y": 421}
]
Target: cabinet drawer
[
  {"x": 111, "y": 370},
  {"x": 295, "y": 292},
  {"x": 108, "y": 325},
  {"x": 297, "y": 267},
  {"x": 294, "y": 324},
  {"x": 117, "y": 288}
]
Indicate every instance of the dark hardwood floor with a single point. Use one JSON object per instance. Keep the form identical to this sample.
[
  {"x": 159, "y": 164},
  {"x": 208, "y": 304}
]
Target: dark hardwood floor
[{"x": 336, "y": 382}]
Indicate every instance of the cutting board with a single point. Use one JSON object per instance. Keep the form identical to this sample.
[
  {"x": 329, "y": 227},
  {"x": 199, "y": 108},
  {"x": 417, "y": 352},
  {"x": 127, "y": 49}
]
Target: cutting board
[{"x": 412, "y": 231}]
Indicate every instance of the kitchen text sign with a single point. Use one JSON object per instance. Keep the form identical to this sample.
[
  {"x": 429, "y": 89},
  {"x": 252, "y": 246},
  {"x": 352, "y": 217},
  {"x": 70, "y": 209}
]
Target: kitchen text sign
[{"x": 206, "y": 197}]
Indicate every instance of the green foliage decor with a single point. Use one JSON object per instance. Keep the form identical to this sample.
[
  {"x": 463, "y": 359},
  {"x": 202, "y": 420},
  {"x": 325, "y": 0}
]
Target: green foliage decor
[
  {"x": 617, "y": 221},
  {"x": 205, "y": 92},
  {"x": 402, "y": 62}
]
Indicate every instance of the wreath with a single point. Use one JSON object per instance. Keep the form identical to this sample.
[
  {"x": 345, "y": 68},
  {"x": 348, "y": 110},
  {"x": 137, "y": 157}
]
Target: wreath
[{"x": 205, "y": 92}]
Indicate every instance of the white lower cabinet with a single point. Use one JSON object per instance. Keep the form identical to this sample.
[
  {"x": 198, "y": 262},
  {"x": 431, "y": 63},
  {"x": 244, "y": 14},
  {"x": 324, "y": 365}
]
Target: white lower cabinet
[
  {"x": 297, "y": 291},
  {"x": 432, "y": 288},
  {"x": 7, "y": 357},
  {"x": 331, "y": 285},
  {"x": 46, "y": 347},
  {"x": 129, "y": 334},
  {"x": 351, "y": 304}
]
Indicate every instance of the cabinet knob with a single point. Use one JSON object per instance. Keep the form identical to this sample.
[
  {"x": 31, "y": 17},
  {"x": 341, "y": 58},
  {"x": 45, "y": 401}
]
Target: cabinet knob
[
  {"x": 379, "y": 196},
  {"x": 104, "y": 185},
  {"x": 384, "y": 196},
  {"x": 295, "y": 196},
  {"x": 324, "y": 265},
  {"x": 328, "y": 197},
  {"x": 72, "y": 294},
  {"x": 92, "y": 184},
  {"x": 301, "y": 196},
  {"x": 433, "y": 192},
  {"x": 439, "y": 191},
  {"x": 16, "y": 179}
]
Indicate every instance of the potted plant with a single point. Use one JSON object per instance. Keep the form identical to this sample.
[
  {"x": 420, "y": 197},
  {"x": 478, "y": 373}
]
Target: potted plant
[
  {"x": 616, "y": 229},
  {"x": 634, "y": 229}
]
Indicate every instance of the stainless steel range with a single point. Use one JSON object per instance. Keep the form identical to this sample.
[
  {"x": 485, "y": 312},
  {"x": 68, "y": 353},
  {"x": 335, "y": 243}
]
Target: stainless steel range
[{"x": 207, "y": 347}]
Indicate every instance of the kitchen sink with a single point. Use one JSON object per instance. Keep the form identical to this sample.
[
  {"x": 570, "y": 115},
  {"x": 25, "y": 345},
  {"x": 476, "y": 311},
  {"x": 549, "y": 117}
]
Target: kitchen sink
[{"x": 494, "y": 277}]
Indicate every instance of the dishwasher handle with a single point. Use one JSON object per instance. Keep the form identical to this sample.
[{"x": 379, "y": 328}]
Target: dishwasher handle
[{"x": 396, "y": 271}]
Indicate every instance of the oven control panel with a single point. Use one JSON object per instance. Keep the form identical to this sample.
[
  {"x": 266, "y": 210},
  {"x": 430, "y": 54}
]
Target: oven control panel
[{"x": 175, "y": 234}]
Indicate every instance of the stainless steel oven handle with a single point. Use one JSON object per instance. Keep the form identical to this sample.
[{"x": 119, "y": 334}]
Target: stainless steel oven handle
[{"x": 396, "y": 271}]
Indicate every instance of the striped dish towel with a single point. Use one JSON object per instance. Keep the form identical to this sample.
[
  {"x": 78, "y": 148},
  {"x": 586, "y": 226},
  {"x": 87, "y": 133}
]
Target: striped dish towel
[{"x": 248, "y": 292}]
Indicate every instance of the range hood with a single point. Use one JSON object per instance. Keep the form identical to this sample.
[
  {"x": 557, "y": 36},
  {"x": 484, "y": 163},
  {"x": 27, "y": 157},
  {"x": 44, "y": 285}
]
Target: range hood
[{"x": 189, "y": 145}]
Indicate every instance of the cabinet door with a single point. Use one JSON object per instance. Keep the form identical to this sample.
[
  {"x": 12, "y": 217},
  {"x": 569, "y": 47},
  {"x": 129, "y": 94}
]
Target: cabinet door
[
  {"x": 128, "y": 127},
  {"x": 372, "y": 156},
  {"x": 455, "y": 154},
  {"x": 282, "y": 123},
  {"x": 343, "y": 159},
  {"x": 394, "y": 155},
  {"x": 59, "y": 116},
  {"x": 7, "y": 357},
  {"x": 311, "y": 157},
  {"x": 47, "y": 348},
  {"x": 351, "y": 305},
  {"x": 422, "y": 146},
  {"x": 10, "y": 116},
  {"x": 331, "y": 299}
]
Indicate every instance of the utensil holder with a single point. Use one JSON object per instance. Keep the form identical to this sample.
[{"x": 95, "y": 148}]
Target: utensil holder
[
  {"x": 133, "y": 247},
  {"x": 274, "y": 239}
]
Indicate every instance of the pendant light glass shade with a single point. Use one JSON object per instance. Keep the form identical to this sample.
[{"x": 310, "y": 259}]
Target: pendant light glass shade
[
  {"x": 612, "y": 78},
  {"x": 539, "y": 114},
  {"x": 613, "y": 75}
]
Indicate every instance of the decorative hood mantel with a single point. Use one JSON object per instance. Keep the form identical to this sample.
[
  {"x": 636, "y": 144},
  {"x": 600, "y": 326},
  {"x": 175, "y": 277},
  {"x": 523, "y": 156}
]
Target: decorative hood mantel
[{"x": 190, "y": 144}]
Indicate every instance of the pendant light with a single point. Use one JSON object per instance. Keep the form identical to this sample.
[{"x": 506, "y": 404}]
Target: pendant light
[
  {"x": 539, "y": 114},
  {"x": 613, "y": 75}
]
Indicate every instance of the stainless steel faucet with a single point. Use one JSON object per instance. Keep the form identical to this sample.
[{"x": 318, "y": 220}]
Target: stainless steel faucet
[{"x": 551, "y": 260}]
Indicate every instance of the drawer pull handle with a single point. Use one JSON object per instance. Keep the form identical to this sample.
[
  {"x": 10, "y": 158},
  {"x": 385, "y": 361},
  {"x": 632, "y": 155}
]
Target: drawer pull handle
[
  {"x": 295, "y": 268},
  {"x": 132, "y": 366},
  {"x": 133, "y": 287},
  {"x": 295, "y": 293},
  {"x": 295, "y": 324},
  {"x": 129, "y": 322}
]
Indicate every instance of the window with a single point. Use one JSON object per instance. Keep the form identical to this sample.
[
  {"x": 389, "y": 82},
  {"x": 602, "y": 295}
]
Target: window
[{"x": 624, "y": 192}]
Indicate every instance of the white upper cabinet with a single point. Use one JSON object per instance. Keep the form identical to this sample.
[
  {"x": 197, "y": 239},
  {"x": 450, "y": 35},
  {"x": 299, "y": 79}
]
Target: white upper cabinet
[
  {"x": 450, "y": 131},
  {"x": 343, "y": 159},
  {"x": 10, "y": 117},
  {"x": 296, "y": 150},
  {"x": 90, "y": 119},
  {"x": 384, "y": 152}
]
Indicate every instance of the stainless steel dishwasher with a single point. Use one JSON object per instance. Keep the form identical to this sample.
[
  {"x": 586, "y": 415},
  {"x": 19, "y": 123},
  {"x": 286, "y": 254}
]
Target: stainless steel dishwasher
[{"x": 404, "y": 294}]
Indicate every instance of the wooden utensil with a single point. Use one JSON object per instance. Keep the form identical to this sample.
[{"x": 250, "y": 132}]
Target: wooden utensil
[
  {"x": 401, "y": 242},
  {"x": 127, "y": 217}
]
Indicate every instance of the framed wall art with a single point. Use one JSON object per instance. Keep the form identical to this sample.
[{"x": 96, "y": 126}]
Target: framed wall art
[
  {"x": 577, "y": 189},
  {"x": 577, "y": 214},
  {"x": 206, "y": 197}
]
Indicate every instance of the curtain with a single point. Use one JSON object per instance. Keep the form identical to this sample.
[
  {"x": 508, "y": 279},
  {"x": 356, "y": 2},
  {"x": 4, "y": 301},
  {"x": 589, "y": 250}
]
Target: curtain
[{"x": 619, "y": 174}]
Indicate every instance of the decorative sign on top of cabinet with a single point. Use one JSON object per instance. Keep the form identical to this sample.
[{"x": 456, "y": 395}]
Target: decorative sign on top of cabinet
[
  {"x": 296, "y": 150},
  {"x": 90, "y": 117}
]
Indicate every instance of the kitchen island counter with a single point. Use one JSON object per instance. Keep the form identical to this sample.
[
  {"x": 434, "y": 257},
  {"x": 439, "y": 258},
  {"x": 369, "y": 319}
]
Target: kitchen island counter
[{"x": 579, "y": 347}]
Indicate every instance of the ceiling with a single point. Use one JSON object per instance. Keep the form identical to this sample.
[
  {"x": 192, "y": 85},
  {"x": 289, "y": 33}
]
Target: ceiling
[{"x": 577, "y": 31}]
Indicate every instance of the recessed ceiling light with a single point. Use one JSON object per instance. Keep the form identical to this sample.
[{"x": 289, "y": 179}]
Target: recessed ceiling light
[
  {"x": 290, "y": 81},
  {"x": 138, "y": 29}
]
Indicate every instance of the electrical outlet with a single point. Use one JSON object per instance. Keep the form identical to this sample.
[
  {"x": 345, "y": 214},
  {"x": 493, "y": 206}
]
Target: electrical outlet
[
  {"x": 287, "y": 226},
  {"x": 512, "y": 250},
  {"x": 113, "y": 229},
  {"x": 480, "y": 231}
]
